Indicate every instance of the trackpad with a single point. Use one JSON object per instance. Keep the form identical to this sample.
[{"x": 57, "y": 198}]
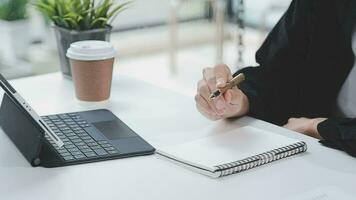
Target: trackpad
[{"x": 114, "y": 129}]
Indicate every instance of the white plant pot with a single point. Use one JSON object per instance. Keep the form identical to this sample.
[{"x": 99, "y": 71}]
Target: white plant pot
[{"x": 14, "y": 40}]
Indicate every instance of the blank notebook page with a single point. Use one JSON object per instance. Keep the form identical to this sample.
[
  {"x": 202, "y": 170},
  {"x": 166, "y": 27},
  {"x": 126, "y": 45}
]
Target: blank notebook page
[{"x": 226, "y": 147}]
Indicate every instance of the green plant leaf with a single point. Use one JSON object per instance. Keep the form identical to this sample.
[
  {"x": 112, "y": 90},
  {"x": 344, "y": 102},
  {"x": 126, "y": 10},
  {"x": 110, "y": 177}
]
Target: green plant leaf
[
  {"x": 98, "y": 21},
  {"x": 12, "y": 10},
  {"x": 117, "y": 10},
  {"x": 80, "y": 14}
]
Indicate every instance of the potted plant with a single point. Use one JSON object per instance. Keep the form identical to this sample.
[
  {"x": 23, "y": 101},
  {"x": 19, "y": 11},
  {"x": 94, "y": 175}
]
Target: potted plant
[
  {"x": 77, "y": 20},
  {"x": 14, "y": 25}
]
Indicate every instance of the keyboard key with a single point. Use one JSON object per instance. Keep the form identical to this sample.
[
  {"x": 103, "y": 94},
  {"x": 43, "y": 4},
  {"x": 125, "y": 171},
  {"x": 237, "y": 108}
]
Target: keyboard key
[
  {"x": 84, "y": 137},
  {"x": 65, "y": 154},
  {"x": 89, "y": 141},
  {"x": 70, "y": 135},
  {"x": 90, "y": 154},
  {"x": 79, "y": 131},
  {"x": 103, "y": 142},
  {"x": 101, "y": 152},
  {"x": 73, "y": 149},
  {"x": 79, "y": 143},
  {"x": 85, "y": 126},
  {"x": 81, "y": 147},
  {"x": 62, "y": 137},
  {"x": 106, "y": 145},
  {"x": 92, "y": 143},
  {"x": 62, "y": 151},
  {"x": 74, "y": 126},
  {"x": 68, "y": 158},
  {"x": 77, "y": 140},
  {"x": 76, "y": 153},
  {"x": 110, "y": 148},
  {"x": 96, "y": 147},
  {"x": 67, "y": 132},
  {"x": 63, "y": 116},
  {"x": 69, "y": 146},
  {"x": 52, "y": 117},
  {"x": 75, "y": 137},
  {"x": 79, "y": 156},
  {"x": 60, "y": 133},
  {"x": 113, "y": 152},
  {"x": 86, "y": 150}
]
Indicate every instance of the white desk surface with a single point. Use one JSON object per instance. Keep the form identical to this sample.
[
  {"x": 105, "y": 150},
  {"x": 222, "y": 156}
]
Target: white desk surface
[{"x": 162, "y": 117}]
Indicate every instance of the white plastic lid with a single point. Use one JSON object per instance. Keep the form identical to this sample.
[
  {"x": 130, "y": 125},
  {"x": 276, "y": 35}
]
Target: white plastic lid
[{"x": 91, "y": 50}]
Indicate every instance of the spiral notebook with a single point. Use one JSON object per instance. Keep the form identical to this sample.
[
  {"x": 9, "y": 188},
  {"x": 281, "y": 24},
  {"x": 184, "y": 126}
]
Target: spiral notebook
[{"x": 233, "y": 152}]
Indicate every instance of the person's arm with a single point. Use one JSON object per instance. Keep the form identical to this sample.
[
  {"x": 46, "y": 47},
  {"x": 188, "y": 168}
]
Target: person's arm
[
  {"x": 339, "y": 133},
  {"x": 270, "y": 90},
  {"x": 272, "y": 87}
]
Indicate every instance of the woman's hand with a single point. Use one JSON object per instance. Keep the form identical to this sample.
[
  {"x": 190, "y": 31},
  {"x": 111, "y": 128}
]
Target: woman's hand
[
  {"x": 305, "y": 125},
  {"x": 233, "y": 103}
]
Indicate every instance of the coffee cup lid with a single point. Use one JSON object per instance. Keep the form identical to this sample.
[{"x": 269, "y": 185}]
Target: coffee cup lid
[{"x": 88, "y": 50}]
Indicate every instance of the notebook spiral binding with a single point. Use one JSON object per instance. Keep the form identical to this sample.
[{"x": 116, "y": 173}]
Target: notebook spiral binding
[{"x": 261, "y": 159}]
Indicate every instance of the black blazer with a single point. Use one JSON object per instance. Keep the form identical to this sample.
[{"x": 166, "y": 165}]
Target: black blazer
[{"x": 303, "y": 64}]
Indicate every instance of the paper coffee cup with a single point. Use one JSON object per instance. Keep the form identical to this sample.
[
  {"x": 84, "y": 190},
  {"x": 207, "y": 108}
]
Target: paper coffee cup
[{"x": 92, "y": 66}]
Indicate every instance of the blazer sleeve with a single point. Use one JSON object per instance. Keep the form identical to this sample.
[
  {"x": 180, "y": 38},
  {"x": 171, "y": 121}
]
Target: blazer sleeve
[
  {"x": 339, "y": 133},
  {"x": 270, "y": 87}
]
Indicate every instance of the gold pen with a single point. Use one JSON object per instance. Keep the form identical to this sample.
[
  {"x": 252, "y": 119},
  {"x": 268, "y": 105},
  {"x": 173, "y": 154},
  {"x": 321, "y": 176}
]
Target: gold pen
[{"x": 232, "y": 83}]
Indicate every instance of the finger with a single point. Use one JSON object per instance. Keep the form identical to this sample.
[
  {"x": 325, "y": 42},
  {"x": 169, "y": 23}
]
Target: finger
[
  {"x": 291, "y": 119},
  {"x": 204, "y": 92},
  {"x": 285, "y": 125},
  {"x": 203, "y": 89},
  {"x": 206, "y": 113},
  {"x": 204, "y": 104},
  {"x": 290, "y": 124},
  {"x": 209, "y": 77},
  {"x": 219, "y": 102},
  {"x": 222, "y": 75},
  {"x": 233, "y": 96}
]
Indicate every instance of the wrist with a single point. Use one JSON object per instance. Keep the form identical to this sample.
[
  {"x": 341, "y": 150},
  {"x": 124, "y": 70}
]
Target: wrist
[
  {"x": 241, "y": 106},
  {"x": 244, "y": 108},
  {"x": 313, "y": 127}
]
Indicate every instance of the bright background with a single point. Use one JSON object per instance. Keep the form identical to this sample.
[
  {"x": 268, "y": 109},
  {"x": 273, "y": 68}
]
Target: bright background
[{"x": 141, "y": 36}]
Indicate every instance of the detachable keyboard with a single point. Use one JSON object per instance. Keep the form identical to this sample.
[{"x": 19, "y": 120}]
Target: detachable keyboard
[{"x": 78, "y": 144}]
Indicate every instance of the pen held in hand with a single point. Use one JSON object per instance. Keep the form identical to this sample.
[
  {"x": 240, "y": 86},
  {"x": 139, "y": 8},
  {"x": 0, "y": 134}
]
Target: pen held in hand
[{"x": 232, "y": 83}]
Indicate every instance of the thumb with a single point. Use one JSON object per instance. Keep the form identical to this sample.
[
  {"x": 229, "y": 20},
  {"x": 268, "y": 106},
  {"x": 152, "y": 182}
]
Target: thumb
[{"x": 233, "y": 96}]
